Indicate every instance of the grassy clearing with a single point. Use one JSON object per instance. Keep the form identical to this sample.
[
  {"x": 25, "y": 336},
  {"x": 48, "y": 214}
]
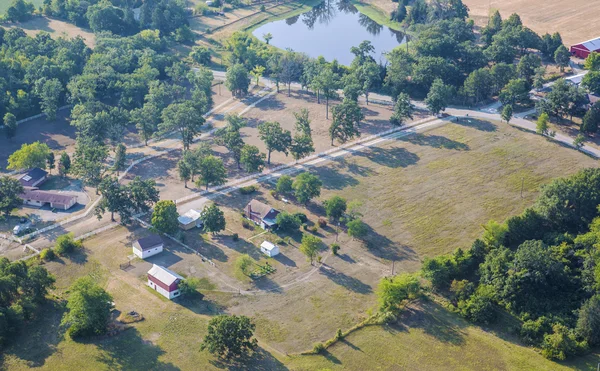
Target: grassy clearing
[
  {"x": 4, "y": 4},
  {"x": 56, "y": 28},
  {"x": 429, "y": 337},
  {"x": 428, "y": 194}
]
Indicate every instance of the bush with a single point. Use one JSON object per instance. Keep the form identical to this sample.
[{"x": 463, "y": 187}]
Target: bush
[
  {"x": 335, "y": 247},
  {"x": 322, "y": 223},
  {"x": 561, "y": 344},
  {"x": 287, "y": 222},
  {"x": 248, "y": 189},
  {"x": 262, "y": 8},
  {"x": 66, "y": 244},
  {"x": 480, "y": 307},
  {"x": 273, "y": 193},
  {"x": 314, "y": 229},
  {"x": 302, "y": 217},
  {"x": 202, "y": 9},
  {"x": 318, "y": 348},
  {"x": 235, "y": 237},
  {"x": 247, "y": 224},
  {"x": 47, "y": 254},
  {"x": 305, "y": 226},
  {"x": 284, "y": 184},
  {"x": 339, "y": 335}
]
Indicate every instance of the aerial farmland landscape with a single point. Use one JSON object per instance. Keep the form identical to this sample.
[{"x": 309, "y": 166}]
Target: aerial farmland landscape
[{"x": 299, "y": 185}]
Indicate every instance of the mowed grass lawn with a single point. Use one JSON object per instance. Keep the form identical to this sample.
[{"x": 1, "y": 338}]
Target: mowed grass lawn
[{"x": 430, "y": 193}]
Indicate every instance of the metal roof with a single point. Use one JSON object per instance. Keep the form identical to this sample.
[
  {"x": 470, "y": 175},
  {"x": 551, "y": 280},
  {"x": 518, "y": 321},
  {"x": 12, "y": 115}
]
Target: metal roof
[
  {"x": 148, "y": 242},
  {"x": 189, "y": 217},
  {"x": 51, "y": 197},
  {"x": 164, "y": 275},
  {"x": 267, "y": 245},
  {"x": 592, "y": 45}
]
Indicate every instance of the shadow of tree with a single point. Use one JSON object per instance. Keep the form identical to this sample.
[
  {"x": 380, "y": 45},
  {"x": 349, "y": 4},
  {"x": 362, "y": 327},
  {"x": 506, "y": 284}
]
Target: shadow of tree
[
  {"x": 382, "y": 247},
  {"x": 477, "y": 124},
  {"x": 199, "y": 305},
  {"x": 260, "y": 360},
  {"x": 38, "y": 339},
  {"x": 391, "y": 157},
  {"x": 332, "y": 178},
  {"x": 434, "y": 320},
  {"x": 285, "y": 260},
  {"x": 129, "y": 351},
  {"x": 435, "y": 141},
  {"x": 350, "y": 283},
  {"x": 264, "y": 283}
]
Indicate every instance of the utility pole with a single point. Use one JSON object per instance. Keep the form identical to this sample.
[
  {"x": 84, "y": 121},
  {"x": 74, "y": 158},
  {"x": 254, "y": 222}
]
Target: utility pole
[{"x": 522, "y": 184}]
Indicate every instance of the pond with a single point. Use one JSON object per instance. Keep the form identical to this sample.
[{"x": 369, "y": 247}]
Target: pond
[{"x": 330, "y": 29}]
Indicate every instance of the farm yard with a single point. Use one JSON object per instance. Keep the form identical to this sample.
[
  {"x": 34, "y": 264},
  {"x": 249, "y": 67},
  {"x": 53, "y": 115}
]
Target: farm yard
[
  {"x": 485, "y": 160},
  {"x": 408, "y": 291}
]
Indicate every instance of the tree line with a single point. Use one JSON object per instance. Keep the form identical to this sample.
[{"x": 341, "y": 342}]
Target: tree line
[{"x": 540, "y": 266}]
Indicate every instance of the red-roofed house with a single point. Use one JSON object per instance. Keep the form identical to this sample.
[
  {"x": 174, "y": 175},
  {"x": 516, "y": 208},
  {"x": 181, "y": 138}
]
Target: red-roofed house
[
  {"x": 165, "y": 281},
  {"x": 586, "y": 48}
]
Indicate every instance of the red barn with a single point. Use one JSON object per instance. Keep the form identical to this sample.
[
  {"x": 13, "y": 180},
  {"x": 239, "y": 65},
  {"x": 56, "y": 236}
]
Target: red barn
[
  {"x": 586, "y": 48},
  {"x": 164, "y": 281}
]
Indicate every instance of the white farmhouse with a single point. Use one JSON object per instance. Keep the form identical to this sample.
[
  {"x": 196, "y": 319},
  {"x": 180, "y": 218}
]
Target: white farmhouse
[{"x": 164, "y": 281}]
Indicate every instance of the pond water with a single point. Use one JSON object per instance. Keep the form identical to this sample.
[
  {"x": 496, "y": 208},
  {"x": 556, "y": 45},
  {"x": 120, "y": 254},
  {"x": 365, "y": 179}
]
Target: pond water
[{"x": 330, "y": 29}]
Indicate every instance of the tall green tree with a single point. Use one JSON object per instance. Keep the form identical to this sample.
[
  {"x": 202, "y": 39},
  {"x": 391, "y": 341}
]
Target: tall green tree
[
  {"x": 252, "y": 159},
  {"x": 183, "y": 118},
  {"x": 562, "y": 57},
  {"x": 306, "y": 187},
  {"x": 64, "y": 164},
  {"x": 507, "y": 113},
  {"x": 357, "y": 228},
  {"x": 211, "y": 172},
  {"x": 327, "y": 82},
  {"x": 51, "y": 162},
  {"x": 310, "y": 246},
  {"x": 89, "y": 162},
  {"x": 403, "y": 110},
  {"x": 275, "y": 138},
  {"x": 438, "y": 97},
  {"x": 88, "y": 309},
  {"x": 346, "y": 121},
  {"x": 230, "y": 336},
  {"x": 120, "y": 158},
  {"x": 29, "y": 156},
  {"x": 237, "y": 80},
  {"x": 10, "y": 125},
  {"x": 185, "y": 173},
  {"x": 164, "y": 217},
  {"x": 335, "y": 207},
  {"x": 10, "y": 190},
  {"x": 50, "y": 97},
  {"x": 213, "y": 219}
]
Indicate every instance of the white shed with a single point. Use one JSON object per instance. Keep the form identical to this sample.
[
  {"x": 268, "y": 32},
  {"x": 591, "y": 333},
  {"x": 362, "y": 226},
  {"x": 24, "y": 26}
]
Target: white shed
[
  {"x": 269, "y": 249},
  {"x": 190, "y": 219},
  {"x": 148, "y": 246}
]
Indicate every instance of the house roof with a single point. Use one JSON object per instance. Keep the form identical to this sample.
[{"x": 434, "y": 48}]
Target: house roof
[
  {"x": 263, "y": 210},
  {"x": 148, "y": 242},
  {"x": 164, "y": 275},
  {"x": 591, "y": 45},
  {"x": 48, "y": 197},
  {"x": 267, "y": 245},
  {"x": 576, "y": 79},
  {"x": 189, "y": 217},
  {"x": 32, "y": 177}
]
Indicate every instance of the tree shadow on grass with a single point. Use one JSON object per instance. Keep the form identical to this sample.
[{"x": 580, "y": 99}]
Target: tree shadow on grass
[
  {"x": 391, "y": 157},
  {"x": 330, "y": 357},
  {"x": 241, "y": 246},
  {"x": 382, "y": 247},
  {"x": 434, "y": 320},
  {"x": 477, "y": 124},
  {"x": 129, "y": 351},
  {"x": 270, "y": 104},
  {"x": 350, "y": 283},
  {"x": 435, "y": 141},
  {"x": 200, "y": 305},
  {"x": 347, "y": 258},
  {"x": 260, "y": 360},
  {"x": 38, "y": 339},
  {"x": 265, "y": 283},
  {"x": 285, "y": 260},
  {"x": 333, "y": 179}
]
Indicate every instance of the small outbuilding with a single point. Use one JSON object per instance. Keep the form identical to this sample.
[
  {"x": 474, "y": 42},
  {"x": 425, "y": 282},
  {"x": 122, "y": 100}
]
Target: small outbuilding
[
  {"x": 148, "y": 246},
  {"x": 33, "y": 178},
  {"x": 164, "y": 281},
  {"x": 190, "y": 219},
  {"x": 269, "y": 249}
]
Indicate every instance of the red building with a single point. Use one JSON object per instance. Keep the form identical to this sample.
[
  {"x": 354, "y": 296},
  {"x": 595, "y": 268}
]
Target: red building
[
  {"x": 586, "y": 48},
  {"x": 165, "y": 281}
]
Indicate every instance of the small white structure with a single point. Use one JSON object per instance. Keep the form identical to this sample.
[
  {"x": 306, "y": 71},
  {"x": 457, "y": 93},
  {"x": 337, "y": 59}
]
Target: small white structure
[
  {"x": 190, "y": 220},
  {"x": 269, "y": 249},
  {"x": 164, "y": 281},
  {"x": 148, "y": 246}
]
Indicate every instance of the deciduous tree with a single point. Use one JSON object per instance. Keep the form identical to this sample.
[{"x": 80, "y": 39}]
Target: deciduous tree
[
  {"x": 252, "y": 159},
  {"x": 230, "y": 336},
  {"x": 29, "y": 156},
  {"x": 310, "y": 246},
  {"x": 10, "y": 190},
  {"x": 211, "y": 172},
  {"x": 275, "y": 138},
  {"x": 88, "y": 308},
  {"x": 164, "y": 217},
  {"x": 346, "y": 121},
  {"x": 213, "y": 219},
  {"x": 306, "y": 187}
]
